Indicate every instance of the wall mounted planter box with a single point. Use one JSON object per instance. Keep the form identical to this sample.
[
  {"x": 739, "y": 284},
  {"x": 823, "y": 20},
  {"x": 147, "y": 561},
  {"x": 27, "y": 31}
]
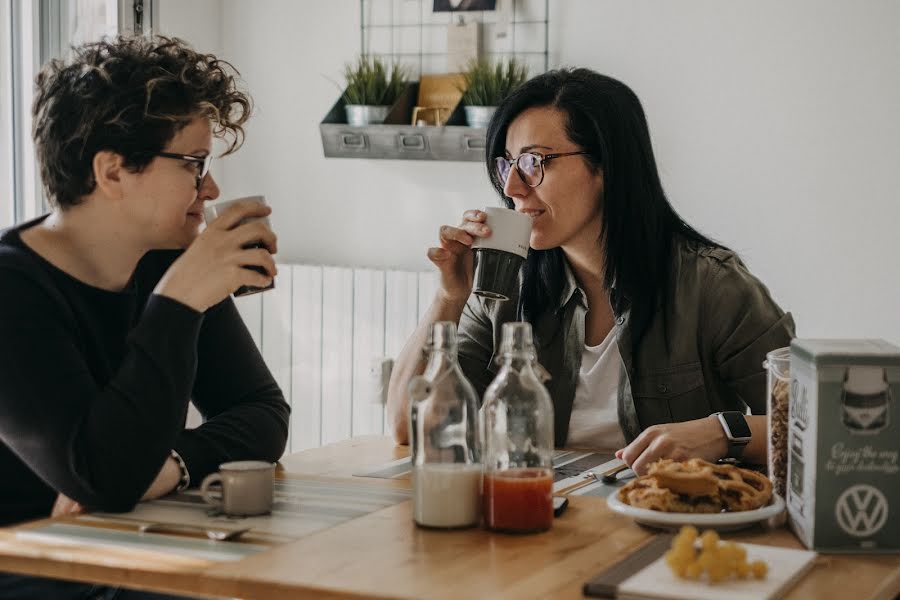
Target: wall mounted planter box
[{"x": 397, "y": 139}]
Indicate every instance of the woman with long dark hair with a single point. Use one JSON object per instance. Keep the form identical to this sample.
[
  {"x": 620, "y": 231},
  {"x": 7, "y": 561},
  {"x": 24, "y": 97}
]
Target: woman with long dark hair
[{"x": 649, "y": 328}]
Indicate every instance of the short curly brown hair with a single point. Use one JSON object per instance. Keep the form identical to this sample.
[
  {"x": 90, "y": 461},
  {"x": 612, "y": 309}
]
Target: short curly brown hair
[{"x": 130, "y": 95}]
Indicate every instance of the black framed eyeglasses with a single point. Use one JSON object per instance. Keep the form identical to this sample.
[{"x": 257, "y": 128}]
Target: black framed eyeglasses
[
  {"x": 202, "y": 163},
  {"x": 529, "y": 166}
]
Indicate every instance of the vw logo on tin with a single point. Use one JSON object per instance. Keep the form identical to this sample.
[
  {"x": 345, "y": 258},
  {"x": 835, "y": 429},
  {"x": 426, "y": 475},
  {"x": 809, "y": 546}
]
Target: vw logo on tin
[{"x": 861, "y": 510}]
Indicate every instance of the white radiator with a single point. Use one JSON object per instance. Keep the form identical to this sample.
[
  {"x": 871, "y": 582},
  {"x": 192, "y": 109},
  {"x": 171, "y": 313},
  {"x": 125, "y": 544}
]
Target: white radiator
[{"x": 323, "y": 332}]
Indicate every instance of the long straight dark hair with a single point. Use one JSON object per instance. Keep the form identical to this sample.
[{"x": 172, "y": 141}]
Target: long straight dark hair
[{"x": 640, "y": 227}]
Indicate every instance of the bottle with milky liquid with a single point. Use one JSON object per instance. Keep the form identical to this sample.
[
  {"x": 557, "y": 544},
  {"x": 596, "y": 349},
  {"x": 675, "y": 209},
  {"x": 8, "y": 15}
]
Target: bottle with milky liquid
[
  {"x": 444, "y": 438},
  {"x": 518, "y": 439}
]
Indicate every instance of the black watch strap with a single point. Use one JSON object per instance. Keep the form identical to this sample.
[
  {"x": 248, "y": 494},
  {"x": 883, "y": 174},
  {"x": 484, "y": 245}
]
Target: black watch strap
[
  {"x": 735, "y": 450},
  {"x": 737, "y": 432}
]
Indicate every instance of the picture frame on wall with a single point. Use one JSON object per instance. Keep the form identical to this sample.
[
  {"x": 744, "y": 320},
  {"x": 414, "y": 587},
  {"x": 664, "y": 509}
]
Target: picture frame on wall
[{"x": 463, "y": 5}]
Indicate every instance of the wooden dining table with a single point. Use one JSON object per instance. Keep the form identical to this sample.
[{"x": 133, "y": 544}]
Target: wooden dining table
[{"x": 384, "y": 555}]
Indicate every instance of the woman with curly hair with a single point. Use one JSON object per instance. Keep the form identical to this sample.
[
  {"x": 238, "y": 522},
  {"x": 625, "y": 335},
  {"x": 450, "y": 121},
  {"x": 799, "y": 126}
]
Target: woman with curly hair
[{"x": 114, "y": 308}]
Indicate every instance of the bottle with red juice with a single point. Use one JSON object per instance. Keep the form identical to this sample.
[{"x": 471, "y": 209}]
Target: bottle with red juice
[{"x": 517, "y": 419}]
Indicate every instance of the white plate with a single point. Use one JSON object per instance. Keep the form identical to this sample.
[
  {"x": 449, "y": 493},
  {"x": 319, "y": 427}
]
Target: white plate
[{"x": 724, "y": 521}]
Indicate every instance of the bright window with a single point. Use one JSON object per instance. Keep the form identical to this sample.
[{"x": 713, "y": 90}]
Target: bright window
[
  {"x": 32, "y": 33},
  {"x": 6, "y": 116},
  {"x": 19, "y": 58},
  {"x": 91, "y": 20}
]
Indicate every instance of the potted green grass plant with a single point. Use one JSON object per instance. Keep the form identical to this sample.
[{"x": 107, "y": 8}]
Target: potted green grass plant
[
  {"x": 486, "y": 85},
  {"x": 371, "y": 90}
]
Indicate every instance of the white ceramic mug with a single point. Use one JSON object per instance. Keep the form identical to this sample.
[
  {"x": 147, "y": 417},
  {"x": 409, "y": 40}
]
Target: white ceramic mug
[{"x": 499, "y": 257}]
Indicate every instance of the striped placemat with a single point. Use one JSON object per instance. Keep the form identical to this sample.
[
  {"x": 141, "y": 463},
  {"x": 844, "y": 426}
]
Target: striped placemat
[
  {"x": 301, "y": 507},
  {"x": 73, "y": 533}
]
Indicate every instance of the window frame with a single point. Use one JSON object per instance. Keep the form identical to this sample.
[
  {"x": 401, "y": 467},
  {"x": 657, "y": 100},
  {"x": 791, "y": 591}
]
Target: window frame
[
  {"x": 32, "y": 33},
  {"x": 27, "y": 198},
  {"x": 128, "y": 11},
  {"x": 7, "y": 188}
]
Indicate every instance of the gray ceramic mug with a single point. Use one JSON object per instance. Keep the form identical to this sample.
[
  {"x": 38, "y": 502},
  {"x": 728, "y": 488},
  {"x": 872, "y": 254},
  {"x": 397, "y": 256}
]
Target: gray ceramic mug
[
  {"x": 214, "y": 209},
  {"x": 247, "y": 488}
]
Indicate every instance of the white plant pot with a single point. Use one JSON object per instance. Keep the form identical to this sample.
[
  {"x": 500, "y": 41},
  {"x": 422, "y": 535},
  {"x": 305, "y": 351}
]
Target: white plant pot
[
  {"x": 359, "y": 115},
  {"x": 479, "y": 116}
]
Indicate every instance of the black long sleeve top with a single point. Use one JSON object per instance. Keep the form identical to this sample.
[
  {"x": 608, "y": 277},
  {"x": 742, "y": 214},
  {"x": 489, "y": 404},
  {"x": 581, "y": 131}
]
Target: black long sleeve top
[{"x": 95, "y": 385}]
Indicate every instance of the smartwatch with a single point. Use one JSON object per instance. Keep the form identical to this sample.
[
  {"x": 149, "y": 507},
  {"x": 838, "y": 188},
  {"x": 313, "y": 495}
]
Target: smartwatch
[{"x": 737, "y": 432}]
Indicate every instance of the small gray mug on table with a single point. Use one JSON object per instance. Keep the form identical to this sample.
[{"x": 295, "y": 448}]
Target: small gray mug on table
[{"x": 247, "y": 488}]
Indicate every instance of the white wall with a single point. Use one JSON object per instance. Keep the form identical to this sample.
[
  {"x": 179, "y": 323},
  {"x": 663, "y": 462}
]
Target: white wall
[
  {"x": 343, "y": 212},
  {"x": 776, "y": 127},
  {"x": 197, "y": 21},
  {"x": 775, "y": 124}
]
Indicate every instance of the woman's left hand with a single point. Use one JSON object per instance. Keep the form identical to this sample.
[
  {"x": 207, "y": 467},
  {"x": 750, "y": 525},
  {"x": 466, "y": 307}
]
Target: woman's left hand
[{"x": 701, "y": 438}]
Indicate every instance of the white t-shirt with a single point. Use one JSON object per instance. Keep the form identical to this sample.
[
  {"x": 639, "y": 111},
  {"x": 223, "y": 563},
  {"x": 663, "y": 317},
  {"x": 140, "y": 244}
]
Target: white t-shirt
[{"x": 595, "y": 422}]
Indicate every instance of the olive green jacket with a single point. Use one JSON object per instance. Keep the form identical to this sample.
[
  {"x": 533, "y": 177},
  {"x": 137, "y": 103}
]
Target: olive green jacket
[{"x": 722, "y": 323}]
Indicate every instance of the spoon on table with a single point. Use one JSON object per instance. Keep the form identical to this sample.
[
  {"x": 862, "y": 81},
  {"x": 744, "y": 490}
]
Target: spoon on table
[
  {"x": 611, "y": 475},
  {"x": 221, "y": 535},
  {"x": 218, "y": 535}
]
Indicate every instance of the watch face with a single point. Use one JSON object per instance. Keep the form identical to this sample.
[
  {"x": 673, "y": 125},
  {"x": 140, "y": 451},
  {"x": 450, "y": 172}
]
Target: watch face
[{"x": 737, "y": 424}]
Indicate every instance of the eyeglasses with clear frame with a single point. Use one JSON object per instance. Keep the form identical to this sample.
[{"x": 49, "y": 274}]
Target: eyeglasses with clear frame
[
  {"x": 529, "y": 166},
  {"x": 203, "y": 163}
]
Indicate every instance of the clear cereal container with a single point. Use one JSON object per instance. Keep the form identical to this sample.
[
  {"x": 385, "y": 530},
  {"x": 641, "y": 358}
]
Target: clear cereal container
[{"x": 778, "y": 367}]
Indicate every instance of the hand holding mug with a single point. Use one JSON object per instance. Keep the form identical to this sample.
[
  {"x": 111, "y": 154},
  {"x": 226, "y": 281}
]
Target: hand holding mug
[
  {"x": 453, "y": 257},
  {"x": 500, "y": 237},
  {"x": 216, "y": 263},
  {"x": 499, "y": 257},
  {"x": 213, "y": 210}
]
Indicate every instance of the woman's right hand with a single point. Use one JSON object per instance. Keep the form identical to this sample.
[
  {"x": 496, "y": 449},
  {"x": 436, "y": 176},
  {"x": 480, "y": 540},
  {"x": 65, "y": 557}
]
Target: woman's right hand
[
  {"x": 454, "y": 258},
  {"x": 213, "y": 266}
]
